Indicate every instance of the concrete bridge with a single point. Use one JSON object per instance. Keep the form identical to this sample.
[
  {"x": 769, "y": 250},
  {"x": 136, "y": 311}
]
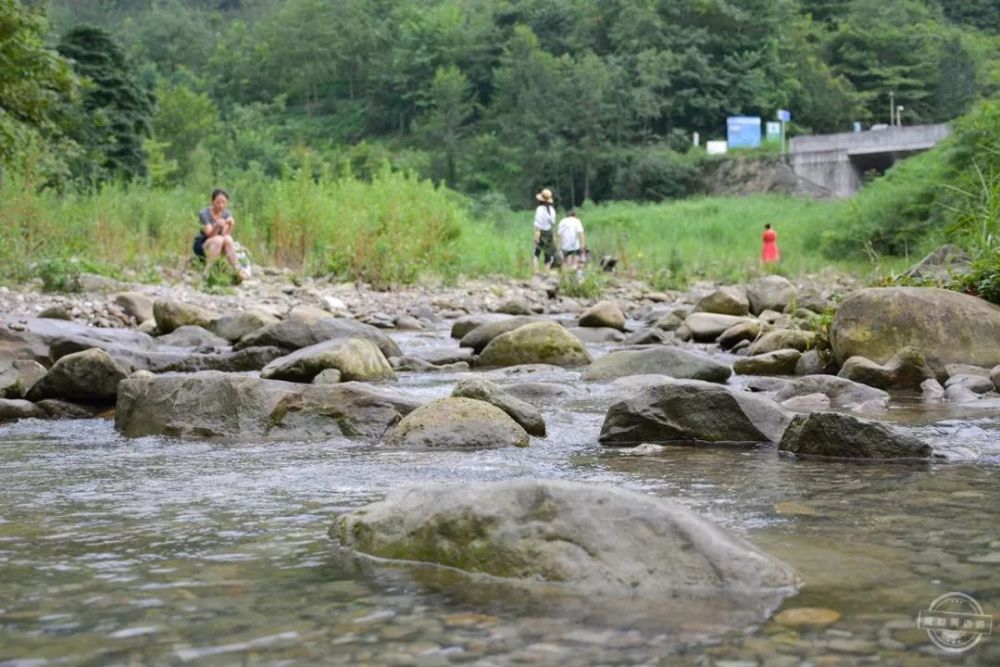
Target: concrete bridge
[{"x": 833, "y": 165}]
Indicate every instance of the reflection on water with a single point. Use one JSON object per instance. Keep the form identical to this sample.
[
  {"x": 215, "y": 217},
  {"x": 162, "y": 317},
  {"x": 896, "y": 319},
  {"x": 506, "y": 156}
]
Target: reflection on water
[{"x": 159, "y": 551}]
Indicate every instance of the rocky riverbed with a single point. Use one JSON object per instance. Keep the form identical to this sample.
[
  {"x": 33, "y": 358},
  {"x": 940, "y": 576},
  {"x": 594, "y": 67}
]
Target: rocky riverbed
[{"x": 170, "y": 479}]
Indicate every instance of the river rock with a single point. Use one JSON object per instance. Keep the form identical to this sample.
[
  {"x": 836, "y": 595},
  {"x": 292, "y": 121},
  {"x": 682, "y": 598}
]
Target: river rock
[
  {"x": 807, "y": 403},
  {"x": 783, "y": 339},
  {"x": 672, "y": 320},
  {"x": 170, "y": 315},
  {"x": 835, "y": 435},
  {"x": 442, "y": 356},
  {"x": 707, "y": 327},
  {"x": 995, "y": 377},
  {"x": 91, "y": 376},
  {"x": 537, "y": 343},
  {"x": 18, "y": 375},
  {"x": 56, "y": 312},
  {"x": 457, "y": 423},
  {"x": 58, "y": 409},
  {"x": 672, "y": 361},
  {"x": 652, "y": 336},
  {"x": 16, "y": 408},
  {"x": 520, "y": 411},
  {"x": 958, "y": 393},
  {"x": 749, "y": 330},
  {"x": 725, "y": 301},
  {"x": 296, "y": 334},
  {"x": 779, "y": 362},
  {"x": 931, "y": 390},
  {"x": 975, "y": 383},
  {"x": 770, "y": 293},
  {"x": 842, "y": 393},
  {"x": 32, "y": 338},
  {"x": 191, "y": 335},
  {"x": 515, "y": 306},
  {"x": 213, "y": 404},
  {"x": 235, "y": 327},
  {"x": 597, "y": 335},
  {"x": 327, "y": 376},
  {"x": 467, "y": 323},
  {"x": 592, "y": 539},
  {"x": 135, "y": 304},
  {"x": 693, "y": 412},
  {"x": 943, "y": 263},
  {"x": 947, "y": 327},
  {"x": 538, "y": 393},
  {"x": 603, "y": 314},
  {"x": 355, "y": 358},
  {"x": 812, "y": 362},
  {"x": 482, "y": 335},
  {"x": 906, "y": 370}
]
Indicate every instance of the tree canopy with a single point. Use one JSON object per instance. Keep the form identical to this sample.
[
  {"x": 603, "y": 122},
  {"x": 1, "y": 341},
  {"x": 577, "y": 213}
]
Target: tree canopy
[{"x": 495, "y": 95}]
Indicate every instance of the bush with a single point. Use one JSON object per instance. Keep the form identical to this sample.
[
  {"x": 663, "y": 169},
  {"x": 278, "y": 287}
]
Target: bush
[{"x": 656, "y": 175}]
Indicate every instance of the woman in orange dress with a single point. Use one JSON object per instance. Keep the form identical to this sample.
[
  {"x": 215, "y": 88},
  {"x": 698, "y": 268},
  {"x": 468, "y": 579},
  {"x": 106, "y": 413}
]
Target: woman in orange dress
[{"x": 769, "y": 254}]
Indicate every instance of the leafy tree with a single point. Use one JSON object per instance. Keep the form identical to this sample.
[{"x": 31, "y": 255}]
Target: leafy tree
[
  {"x": 117, "y": 108},
  {"x": 184, "y": 119},
  {"x": 35, "y": 84},
  {"x": 445, "y": 124}
]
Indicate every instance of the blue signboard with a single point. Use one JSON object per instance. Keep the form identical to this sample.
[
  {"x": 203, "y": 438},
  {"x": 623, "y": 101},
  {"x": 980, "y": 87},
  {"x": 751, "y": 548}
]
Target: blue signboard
[
  {"x": 784, "y": 115},
  {"x": 743, "y": 131}
]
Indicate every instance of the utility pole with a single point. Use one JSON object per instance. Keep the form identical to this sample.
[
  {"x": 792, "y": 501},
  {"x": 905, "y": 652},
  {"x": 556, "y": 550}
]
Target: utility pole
[{"x": 892, "y": 108}]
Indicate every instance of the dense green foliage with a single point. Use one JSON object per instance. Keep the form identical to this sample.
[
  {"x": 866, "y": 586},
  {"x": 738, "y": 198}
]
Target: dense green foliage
[
  {"x": 117, "y": 109},
  {"x": 337, "y": 125},
  {"x": 594, "y": 99}
]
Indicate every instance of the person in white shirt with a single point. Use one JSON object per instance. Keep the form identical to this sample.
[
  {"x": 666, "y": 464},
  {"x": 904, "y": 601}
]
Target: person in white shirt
[
  {"x": 572, "y": 242},
  {"x": 545, "y": 222}
]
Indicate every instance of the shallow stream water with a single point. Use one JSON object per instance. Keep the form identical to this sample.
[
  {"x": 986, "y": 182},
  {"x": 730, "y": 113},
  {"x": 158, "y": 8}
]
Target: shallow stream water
[{"x": 162, "y": 551}]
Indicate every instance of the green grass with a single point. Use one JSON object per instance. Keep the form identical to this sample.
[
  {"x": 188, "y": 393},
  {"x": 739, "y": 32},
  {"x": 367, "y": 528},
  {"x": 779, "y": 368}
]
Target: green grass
[
  {"x": 717, "y": 237},
  {"x": 397, "y": 229}
]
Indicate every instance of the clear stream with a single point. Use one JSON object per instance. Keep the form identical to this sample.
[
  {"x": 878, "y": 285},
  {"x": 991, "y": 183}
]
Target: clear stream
[{"x": 156, "y": 551}]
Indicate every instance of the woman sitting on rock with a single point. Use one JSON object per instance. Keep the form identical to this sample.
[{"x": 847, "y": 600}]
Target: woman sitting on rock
[{"x": 216, "y": 236}]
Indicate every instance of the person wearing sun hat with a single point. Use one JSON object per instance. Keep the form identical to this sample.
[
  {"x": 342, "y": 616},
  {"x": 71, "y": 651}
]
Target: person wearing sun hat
[{"x": 545, "y": 221}]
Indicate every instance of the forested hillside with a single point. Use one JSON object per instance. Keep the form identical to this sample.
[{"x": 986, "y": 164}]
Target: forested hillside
[{"x": 494, "y": 97}]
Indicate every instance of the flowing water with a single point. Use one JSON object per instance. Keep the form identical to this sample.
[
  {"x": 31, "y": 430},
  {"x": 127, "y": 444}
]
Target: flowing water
[{"x": 161, "y": 551}]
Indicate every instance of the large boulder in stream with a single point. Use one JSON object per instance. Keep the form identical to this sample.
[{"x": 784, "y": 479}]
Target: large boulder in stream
[
  {"x": 484, "y": 334},
  {"x": 726, "y": 300},
  {"x": 467, "y": 323},
  {"x": 947, "y": 327},
  {"x": 603, "y": 314},
  {"x": 234, "y": 327},
  {"x": 457, "y": 423},
  {"x": 842, "y": 393},
  {"x": 672, "y": 361},
  {"x": 770, "y": 293},
  {"x": 170, "y": 315},
  {"x": 294, "y": 334},
  {"x": 907, "y": 370},
  {"x": 707, "y": 327},
  {"x": 522, "y": 412},
  {"x": 33, "y": 337},
  {"x": 536, "y": 343},
  {"x": 835, "y": 435},
  {"x": 693, "y": 412},
  {"x": 588, "y": 539},
  {"x": 212, "y": 404},
  {"x": 356, "y": 359},
  {"x": 18, "y": 375},
  {"x": 91, "y": 376}
]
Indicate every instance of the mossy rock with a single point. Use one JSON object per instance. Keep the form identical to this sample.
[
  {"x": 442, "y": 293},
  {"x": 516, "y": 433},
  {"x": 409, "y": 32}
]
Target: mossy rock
[
  {"x": 457, "y": 423},
  {"x": 537, "y": 343}
]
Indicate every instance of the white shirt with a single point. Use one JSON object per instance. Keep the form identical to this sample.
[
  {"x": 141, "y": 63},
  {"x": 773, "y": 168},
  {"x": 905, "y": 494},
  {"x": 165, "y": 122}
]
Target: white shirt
[
  {"x": 570, "y": 230},
  {"x": 545, "y": 217}
]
